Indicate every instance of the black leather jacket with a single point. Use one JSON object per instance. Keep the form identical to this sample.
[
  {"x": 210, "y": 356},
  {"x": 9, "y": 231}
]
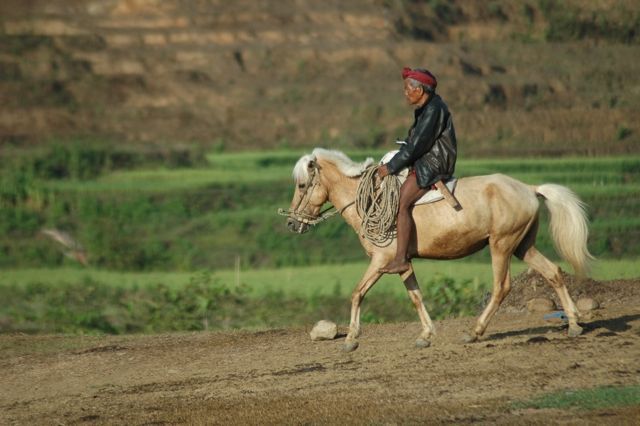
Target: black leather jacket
[{"x": 431, "y": 146}]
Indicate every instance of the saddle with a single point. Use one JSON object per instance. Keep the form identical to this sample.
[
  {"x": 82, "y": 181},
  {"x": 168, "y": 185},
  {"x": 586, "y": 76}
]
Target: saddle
[{"x": 442, "y": 190}]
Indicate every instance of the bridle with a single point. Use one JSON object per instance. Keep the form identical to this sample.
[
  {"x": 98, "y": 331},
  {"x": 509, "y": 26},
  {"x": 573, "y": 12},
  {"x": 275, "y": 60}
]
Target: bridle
[{"x": 298, "y": 213}]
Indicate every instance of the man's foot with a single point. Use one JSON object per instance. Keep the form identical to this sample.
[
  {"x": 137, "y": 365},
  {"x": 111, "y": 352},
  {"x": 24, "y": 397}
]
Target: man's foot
[{"x": 396, "y": 267}]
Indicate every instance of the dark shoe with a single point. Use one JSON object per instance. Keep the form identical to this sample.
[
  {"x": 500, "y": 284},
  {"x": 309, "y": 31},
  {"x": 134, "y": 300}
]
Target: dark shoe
[{"x": 396, "y": 267}]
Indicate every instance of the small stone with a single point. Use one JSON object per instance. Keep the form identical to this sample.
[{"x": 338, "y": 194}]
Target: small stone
[
  {"x": 324, "y": 330},
  {"x": 587, "y": 304},
  {"x": 541, "y": 304}
]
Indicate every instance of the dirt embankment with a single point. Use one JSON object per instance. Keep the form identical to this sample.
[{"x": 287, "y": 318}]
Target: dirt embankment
[
  {"x": 280, "y": 376},
  {"x": 520, "y": 78}
]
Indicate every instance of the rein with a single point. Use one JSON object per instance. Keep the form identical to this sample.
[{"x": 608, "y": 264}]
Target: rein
[{"x": 302, "y": 217}]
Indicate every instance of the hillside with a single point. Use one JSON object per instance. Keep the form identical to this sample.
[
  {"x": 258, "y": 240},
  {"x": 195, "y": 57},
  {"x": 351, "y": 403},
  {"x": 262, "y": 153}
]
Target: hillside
[{"x": 531, "y": 77}]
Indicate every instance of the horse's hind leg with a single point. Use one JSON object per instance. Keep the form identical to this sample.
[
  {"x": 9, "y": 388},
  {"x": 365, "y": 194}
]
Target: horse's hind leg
[
  {"x": 411, "y": 283},
  {"x": 551, "y": 272},
  {"x": 501, "y": 287}
]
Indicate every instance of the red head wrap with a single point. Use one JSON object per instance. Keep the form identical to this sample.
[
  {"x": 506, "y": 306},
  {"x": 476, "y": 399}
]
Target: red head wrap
[{"x": 423, "y": 76}]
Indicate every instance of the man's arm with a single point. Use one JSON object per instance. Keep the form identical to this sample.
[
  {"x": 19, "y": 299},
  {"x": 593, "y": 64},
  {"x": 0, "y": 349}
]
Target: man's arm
[{"x": 421, "y": 140}]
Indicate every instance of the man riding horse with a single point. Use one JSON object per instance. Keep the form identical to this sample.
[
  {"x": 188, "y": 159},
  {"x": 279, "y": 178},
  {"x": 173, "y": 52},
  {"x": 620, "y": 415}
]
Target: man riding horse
[
  {"x": 500, "y": 212},
  {"x": 430, "y": 152}
]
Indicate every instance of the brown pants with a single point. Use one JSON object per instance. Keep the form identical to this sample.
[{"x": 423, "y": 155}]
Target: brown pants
[{"x": 410, "y": 192}]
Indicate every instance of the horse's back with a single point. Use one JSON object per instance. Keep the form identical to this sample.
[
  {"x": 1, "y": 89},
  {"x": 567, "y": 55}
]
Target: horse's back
[
  {"x": 497, "y": 188},
  {"x": 492, "y": 205},
  {"x": 496, "y": 179}
]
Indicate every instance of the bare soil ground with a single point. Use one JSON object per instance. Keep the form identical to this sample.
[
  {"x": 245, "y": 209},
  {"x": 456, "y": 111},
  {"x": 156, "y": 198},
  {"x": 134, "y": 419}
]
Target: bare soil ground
[{"x": 280, "y": 376}]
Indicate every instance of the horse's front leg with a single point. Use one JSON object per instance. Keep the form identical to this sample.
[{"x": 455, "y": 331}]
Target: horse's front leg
[
  {"x": 371, "y": 276},
  {"x": 411, "y": 284}
]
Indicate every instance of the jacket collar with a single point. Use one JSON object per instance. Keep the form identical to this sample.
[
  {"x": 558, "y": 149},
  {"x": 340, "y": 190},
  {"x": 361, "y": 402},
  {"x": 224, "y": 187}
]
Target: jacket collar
[{"x": 420, "y": 110}]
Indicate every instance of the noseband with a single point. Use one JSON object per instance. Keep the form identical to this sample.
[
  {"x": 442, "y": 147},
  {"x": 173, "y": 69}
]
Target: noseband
[{"x": 299, "y": 215}]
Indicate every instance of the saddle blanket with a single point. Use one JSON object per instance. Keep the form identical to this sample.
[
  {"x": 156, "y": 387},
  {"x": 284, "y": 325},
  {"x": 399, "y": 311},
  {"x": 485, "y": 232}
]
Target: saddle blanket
[{"x": 432, "y": 195}]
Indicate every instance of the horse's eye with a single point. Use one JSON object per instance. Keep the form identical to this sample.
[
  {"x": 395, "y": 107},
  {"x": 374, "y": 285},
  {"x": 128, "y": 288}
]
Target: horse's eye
[{"x": 301, "y": 186}]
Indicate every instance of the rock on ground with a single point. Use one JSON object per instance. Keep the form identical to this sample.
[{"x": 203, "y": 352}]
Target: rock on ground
[
  {"x": 540, "y": 304},
  {"x": 324, "y": 330},
  {"x": 586, "y": 304}
]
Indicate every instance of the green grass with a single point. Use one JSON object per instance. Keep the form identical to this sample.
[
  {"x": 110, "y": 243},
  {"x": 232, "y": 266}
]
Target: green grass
[
  {"x": 305, "y": 280},
  {"x": 84, "y": 304},
  {"x": 586, "y": 399},
  {"x": 97, "y": 301},
  {"x": 160, "y": 180}
]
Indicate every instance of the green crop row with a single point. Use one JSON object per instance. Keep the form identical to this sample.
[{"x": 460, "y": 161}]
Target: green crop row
[
  {"x": 205, "y": 302},
  {"x": 100, "y": 301},
  {"x": 210, "y": 212}
]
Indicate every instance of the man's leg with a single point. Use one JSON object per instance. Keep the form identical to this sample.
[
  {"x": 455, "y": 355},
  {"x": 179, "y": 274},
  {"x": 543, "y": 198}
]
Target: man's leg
[{"x": 410, "y": 192}]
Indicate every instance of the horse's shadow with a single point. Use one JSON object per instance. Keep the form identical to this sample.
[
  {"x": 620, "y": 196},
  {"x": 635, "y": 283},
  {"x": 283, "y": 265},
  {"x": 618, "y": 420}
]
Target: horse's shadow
[{"x": 613, "y": 325}]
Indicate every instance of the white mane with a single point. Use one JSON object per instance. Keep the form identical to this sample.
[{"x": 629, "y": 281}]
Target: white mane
[{"x": 347, "y": 166}]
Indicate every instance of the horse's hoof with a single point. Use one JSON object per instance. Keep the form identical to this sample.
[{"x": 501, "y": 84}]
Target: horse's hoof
[
  {"x": 350, "y": 346},
  {"x": 469, "y": 338},
  {"x": 574, "y": 331},
  {"x": 422, "y": 343}
]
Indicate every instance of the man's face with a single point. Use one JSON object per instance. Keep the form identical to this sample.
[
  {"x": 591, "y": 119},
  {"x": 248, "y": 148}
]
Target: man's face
[{"x": 413, "y": 94}]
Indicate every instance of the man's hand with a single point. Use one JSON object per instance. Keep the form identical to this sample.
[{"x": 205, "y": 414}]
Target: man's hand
[{"x": 383, "y": 171}]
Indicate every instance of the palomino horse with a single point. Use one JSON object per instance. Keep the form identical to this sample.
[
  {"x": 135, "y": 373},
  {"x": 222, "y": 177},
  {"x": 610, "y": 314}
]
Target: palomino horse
[{"x": 498, "y": 211}]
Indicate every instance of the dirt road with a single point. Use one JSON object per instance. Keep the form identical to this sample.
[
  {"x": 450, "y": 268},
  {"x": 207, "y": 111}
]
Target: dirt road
[{"x": 280, "y": 376}]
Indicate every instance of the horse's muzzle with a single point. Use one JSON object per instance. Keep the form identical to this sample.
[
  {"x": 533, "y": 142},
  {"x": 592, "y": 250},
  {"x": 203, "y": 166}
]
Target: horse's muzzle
[{"x": 296, "y": 226}]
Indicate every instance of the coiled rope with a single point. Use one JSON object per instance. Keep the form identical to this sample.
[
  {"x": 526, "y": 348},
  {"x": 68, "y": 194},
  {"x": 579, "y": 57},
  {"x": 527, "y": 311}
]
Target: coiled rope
[{"x": 378, "y": 206}]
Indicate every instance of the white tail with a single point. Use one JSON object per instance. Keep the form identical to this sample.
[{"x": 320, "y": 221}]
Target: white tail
[{"x": 568, "y": 225}]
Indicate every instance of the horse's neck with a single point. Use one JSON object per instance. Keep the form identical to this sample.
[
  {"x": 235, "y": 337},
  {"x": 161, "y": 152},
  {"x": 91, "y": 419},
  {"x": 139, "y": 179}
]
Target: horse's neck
[{"x": 342, "y": 194}]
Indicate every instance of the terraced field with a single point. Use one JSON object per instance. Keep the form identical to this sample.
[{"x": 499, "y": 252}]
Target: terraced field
[
  {"x": 149, "y": 231},
  {"x": 223, "y": 211},
  {"x": 156, "y": 140}
]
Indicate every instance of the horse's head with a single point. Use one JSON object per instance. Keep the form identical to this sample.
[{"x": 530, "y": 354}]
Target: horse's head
[
  {"x": 309, "y": 196},
  {"x": 314, "y": 184}
]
